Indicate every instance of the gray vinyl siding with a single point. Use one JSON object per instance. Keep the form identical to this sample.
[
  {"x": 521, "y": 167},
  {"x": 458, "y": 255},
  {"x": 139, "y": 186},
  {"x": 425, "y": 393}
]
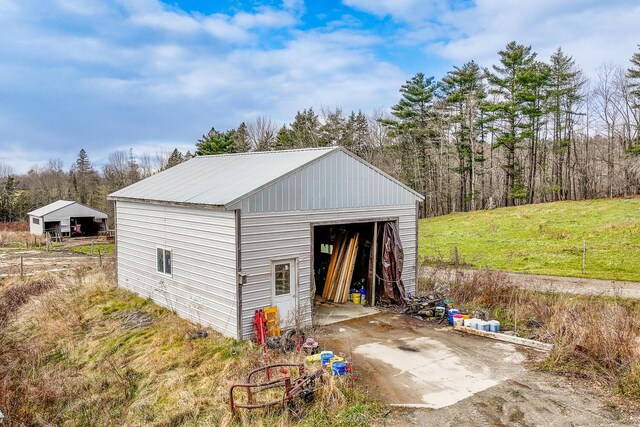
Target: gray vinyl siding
[
  {"x": 335, "y": 181},
  {"x": 202, "y": 287},
  {"x": 37, "y": 229},
  {"x": 270, "y": 236}
]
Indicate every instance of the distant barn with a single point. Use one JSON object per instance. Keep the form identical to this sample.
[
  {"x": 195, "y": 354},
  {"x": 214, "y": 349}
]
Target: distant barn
[
  {"x": 67, "y": 218},
  {"x": 217, "y": 237}
]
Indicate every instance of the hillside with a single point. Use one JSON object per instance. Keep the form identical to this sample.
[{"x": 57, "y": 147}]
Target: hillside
[{"x": 542, "y": 238}]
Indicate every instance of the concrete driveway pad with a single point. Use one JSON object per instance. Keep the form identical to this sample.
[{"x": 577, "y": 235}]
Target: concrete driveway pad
[{"x": 410, "y": 362}]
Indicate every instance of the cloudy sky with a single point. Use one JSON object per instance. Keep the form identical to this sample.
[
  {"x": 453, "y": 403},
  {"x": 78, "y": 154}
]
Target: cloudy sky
[{"x": 151, "y": 75}]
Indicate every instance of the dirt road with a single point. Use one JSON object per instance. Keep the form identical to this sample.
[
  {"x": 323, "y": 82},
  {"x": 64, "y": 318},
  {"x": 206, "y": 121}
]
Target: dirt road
[
  {"x": 572, "y": 285},
  {"x": 432, "y": 375}
]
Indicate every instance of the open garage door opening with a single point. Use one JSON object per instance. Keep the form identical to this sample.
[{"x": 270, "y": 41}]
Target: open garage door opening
[{"x": 356, "y": 266}]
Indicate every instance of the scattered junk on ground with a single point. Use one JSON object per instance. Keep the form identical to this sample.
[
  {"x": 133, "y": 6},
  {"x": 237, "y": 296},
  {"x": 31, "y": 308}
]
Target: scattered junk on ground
[
  {"x": 286, "y": 384},
  {"x": 279, "y": 376}
]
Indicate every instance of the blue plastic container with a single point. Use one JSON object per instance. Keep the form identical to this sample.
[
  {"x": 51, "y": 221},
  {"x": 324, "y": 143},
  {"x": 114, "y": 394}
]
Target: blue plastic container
[
  {"x": 451, "y": 313},
  {"x": 325, "y": 357},
  {"x": 339, "y": 368}
]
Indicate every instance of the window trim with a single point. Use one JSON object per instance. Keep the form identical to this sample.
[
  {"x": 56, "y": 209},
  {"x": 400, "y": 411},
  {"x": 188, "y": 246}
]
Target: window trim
[
  {"x": 35, "y": 220},
  {"x": 164, "y": 257}
]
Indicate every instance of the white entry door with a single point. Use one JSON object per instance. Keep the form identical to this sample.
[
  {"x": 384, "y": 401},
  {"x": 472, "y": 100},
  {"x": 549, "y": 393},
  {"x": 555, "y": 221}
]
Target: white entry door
[{"x": 283, "y": 290}]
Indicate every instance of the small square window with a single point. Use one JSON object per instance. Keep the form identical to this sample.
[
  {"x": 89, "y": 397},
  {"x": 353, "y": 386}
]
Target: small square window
[
  {"x": 163, "y": 261},
  {"x": 36, "y": 220},
  {"x": 282, "y": 279}
]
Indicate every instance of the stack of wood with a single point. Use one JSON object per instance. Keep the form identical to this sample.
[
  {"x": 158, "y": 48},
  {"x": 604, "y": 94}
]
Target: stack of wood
[{"x": 341, "y": 266}]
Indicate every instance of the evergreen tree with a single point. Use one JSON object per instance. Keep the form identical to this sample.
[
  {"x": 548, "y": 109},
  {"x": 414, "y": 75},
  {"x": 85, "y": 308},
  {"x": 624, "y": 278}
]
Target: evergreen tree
[
  {"x": 215, "y": 142},
  {"x": 284, "y": 139},
  {"x": 414, "y": 128},
  {"x": 633, "y": 73},
  {"x": 305, "y": 129},
  {"x": 464, "y": 92},
  {"x": 356, "y": 134},
  {"x": 8, "y": 199},
  {"x": 85, "y": 180},
  {"x": 332, "y": 131},
  {"x": 241, "y": 139},
  {"x": 509, "y": 82},
  {"x": 563, "y": 94},
  {"x": 175, "y": 158}
]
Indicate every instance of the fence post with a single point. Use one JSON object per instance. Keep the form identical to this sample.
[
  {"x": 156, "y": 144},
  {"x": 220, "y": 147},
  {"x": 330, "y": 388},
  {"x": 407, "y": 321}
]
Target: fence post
[
  {"x": 92, "y": 247},
  {"x": 584, "y": 256},
  {"x": 21, "y": 266},
  {"x": 100, "y": 257}
]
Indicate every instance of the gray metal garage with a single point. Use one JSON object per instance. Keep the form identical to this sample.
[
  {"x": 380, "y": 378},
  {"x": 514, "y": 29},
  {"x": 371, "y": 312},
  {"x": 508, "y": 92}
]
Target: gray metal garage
[
  {"x": 67, "y": 218},
  {"x": 217, "y": 237}
]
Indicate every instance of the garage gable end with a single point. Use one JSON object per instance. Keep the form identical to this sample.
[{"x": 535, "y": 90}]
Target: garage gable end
[{"x": 336, "y": 181}]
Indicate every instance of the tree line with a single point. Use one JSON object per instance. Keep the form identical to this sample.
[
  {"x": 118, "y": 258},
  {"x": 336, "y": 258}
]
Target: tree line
[{"x": 522, "y": 131}]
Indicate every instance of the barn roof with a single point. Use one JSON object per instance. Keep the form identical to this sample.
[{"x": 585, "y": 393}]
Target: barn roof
[
  {"x": 221, "y": 180},
  {"x": 59, "y": 205},
  {"x": 51, "y": 207}
]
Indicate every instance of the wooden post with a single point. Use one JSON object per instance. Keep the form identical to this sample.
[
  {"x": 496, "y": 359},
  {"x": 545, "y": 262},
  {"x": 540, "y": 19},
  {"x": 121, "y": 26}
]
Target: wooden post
[
  {"x": 21, "y": 266},
  {"x": 92, "y": 247},
  {"x": 99, "y": 257},
  {"x": 375, "y": 262},
  {"x": 584, "y": 256}
]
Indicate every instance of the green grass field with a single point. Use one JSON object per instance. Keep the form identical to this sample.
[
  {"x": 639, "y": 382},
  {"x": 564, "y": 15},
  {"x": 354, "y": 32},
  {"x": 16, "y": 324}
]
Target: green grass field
[
  {"x": 542, "y": 239},
  {"x": 105, "y": 249}
]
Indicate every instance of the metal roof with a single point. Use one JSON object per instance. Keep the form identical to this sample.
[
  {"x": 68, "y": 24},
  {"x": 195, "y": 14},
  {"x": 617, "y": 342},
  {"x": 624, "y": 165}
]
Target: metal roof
[
  {"x": 51, "y": 207},
  {"x": 67, "y": 208},
  {"x": 221, "y": 180}
]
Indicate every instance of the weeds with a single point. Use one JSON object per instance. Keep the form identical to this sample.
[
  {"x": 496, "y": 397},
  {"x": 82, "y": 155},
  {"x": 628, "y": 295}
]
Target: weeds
[
  {"x": 76, "y": 350},
  {"x": 595, "y": 338}
]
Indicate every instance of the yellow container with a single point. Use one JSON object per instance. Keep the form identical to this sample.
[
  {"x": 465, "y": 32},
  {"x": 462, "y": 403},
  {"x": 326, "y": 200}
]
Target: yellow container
[
  {"x": 466, "y": 316},
  {"x": 355, "y": 297}
]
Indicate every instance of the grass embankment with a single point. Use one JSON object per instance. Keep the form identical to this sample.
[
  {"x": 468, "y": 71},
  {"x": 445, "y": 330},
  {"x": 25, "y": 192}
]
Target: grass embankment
[
  {"x": 79, "y": 351},
  {"x": 594, "y": 338},
  {"x": 542, "y": 239},
  {"x": 103, "y": 248}
]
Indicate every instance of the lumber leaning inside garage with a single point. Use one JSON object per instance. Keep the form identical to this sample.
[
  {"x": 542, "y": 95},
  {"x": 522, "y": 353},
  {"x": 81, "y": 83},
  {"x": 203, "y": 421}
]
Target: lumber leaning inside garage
[{"x": 217, "y": 237}]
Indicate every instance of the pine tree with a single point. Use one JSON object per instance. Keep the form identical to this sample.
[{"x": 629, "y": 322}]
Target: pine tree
[
  {"x": 332, "y": 131},
  {"x": 563, "y": 93},
  {"x": 241, "y": 139},
  {"x": 85, "y": 180},
  {"x": 465, "y": 92},
  {"x": 509, "y": 82},
  {"x": 633, "y": 73},
  {"x": 415, "y": 130},
  {"x": 215, "y": 142},
  {"x": 175, "y": 158},
  {"x": 284, "y": 139},
  {"x": 8, "y": 194}
]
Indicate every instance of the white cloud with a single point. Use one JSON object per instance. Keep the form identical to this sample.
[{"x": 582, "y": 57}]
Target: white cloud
[
  {"x": 400, "y": 10},
  {"x": 592, "y": 32}
]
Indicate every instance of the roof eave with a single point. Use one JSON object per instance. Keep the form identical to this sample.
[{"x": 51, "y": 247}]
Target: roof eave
[{"x": 165, "y": 202}]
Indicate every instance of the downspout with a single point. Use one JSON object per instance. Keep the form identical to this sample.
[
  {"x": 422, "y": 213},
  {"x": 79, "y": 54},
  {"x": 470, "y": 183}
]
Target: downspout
[{"x": 240, "y": 277}]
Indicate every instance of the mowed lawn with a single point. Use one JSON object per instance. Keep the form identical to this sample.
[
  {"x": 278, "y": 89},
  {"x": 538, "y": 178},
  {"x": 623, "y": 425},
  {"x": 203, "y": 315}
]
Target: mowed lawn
[{"x": 542, "y": 239}]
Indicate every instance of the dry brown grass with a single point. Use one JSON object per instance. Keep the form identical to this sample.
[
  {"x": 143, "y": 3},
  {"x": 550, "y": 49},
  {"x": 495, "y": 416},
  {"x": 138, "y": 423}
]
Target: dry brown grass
[
  {"x": 76, "y": 350},
  {"x": 595, "y": 338},
  {"x": 14, "y": 226},
  {"x": 19, "y": 239}
]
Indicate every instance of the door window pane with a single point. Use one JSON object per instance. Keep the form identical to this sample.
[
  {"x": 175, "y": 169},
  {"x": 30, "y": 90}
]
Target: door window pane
[
  {"x": 160, "y": 259},
  {"x": 282, "y": 278}
]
